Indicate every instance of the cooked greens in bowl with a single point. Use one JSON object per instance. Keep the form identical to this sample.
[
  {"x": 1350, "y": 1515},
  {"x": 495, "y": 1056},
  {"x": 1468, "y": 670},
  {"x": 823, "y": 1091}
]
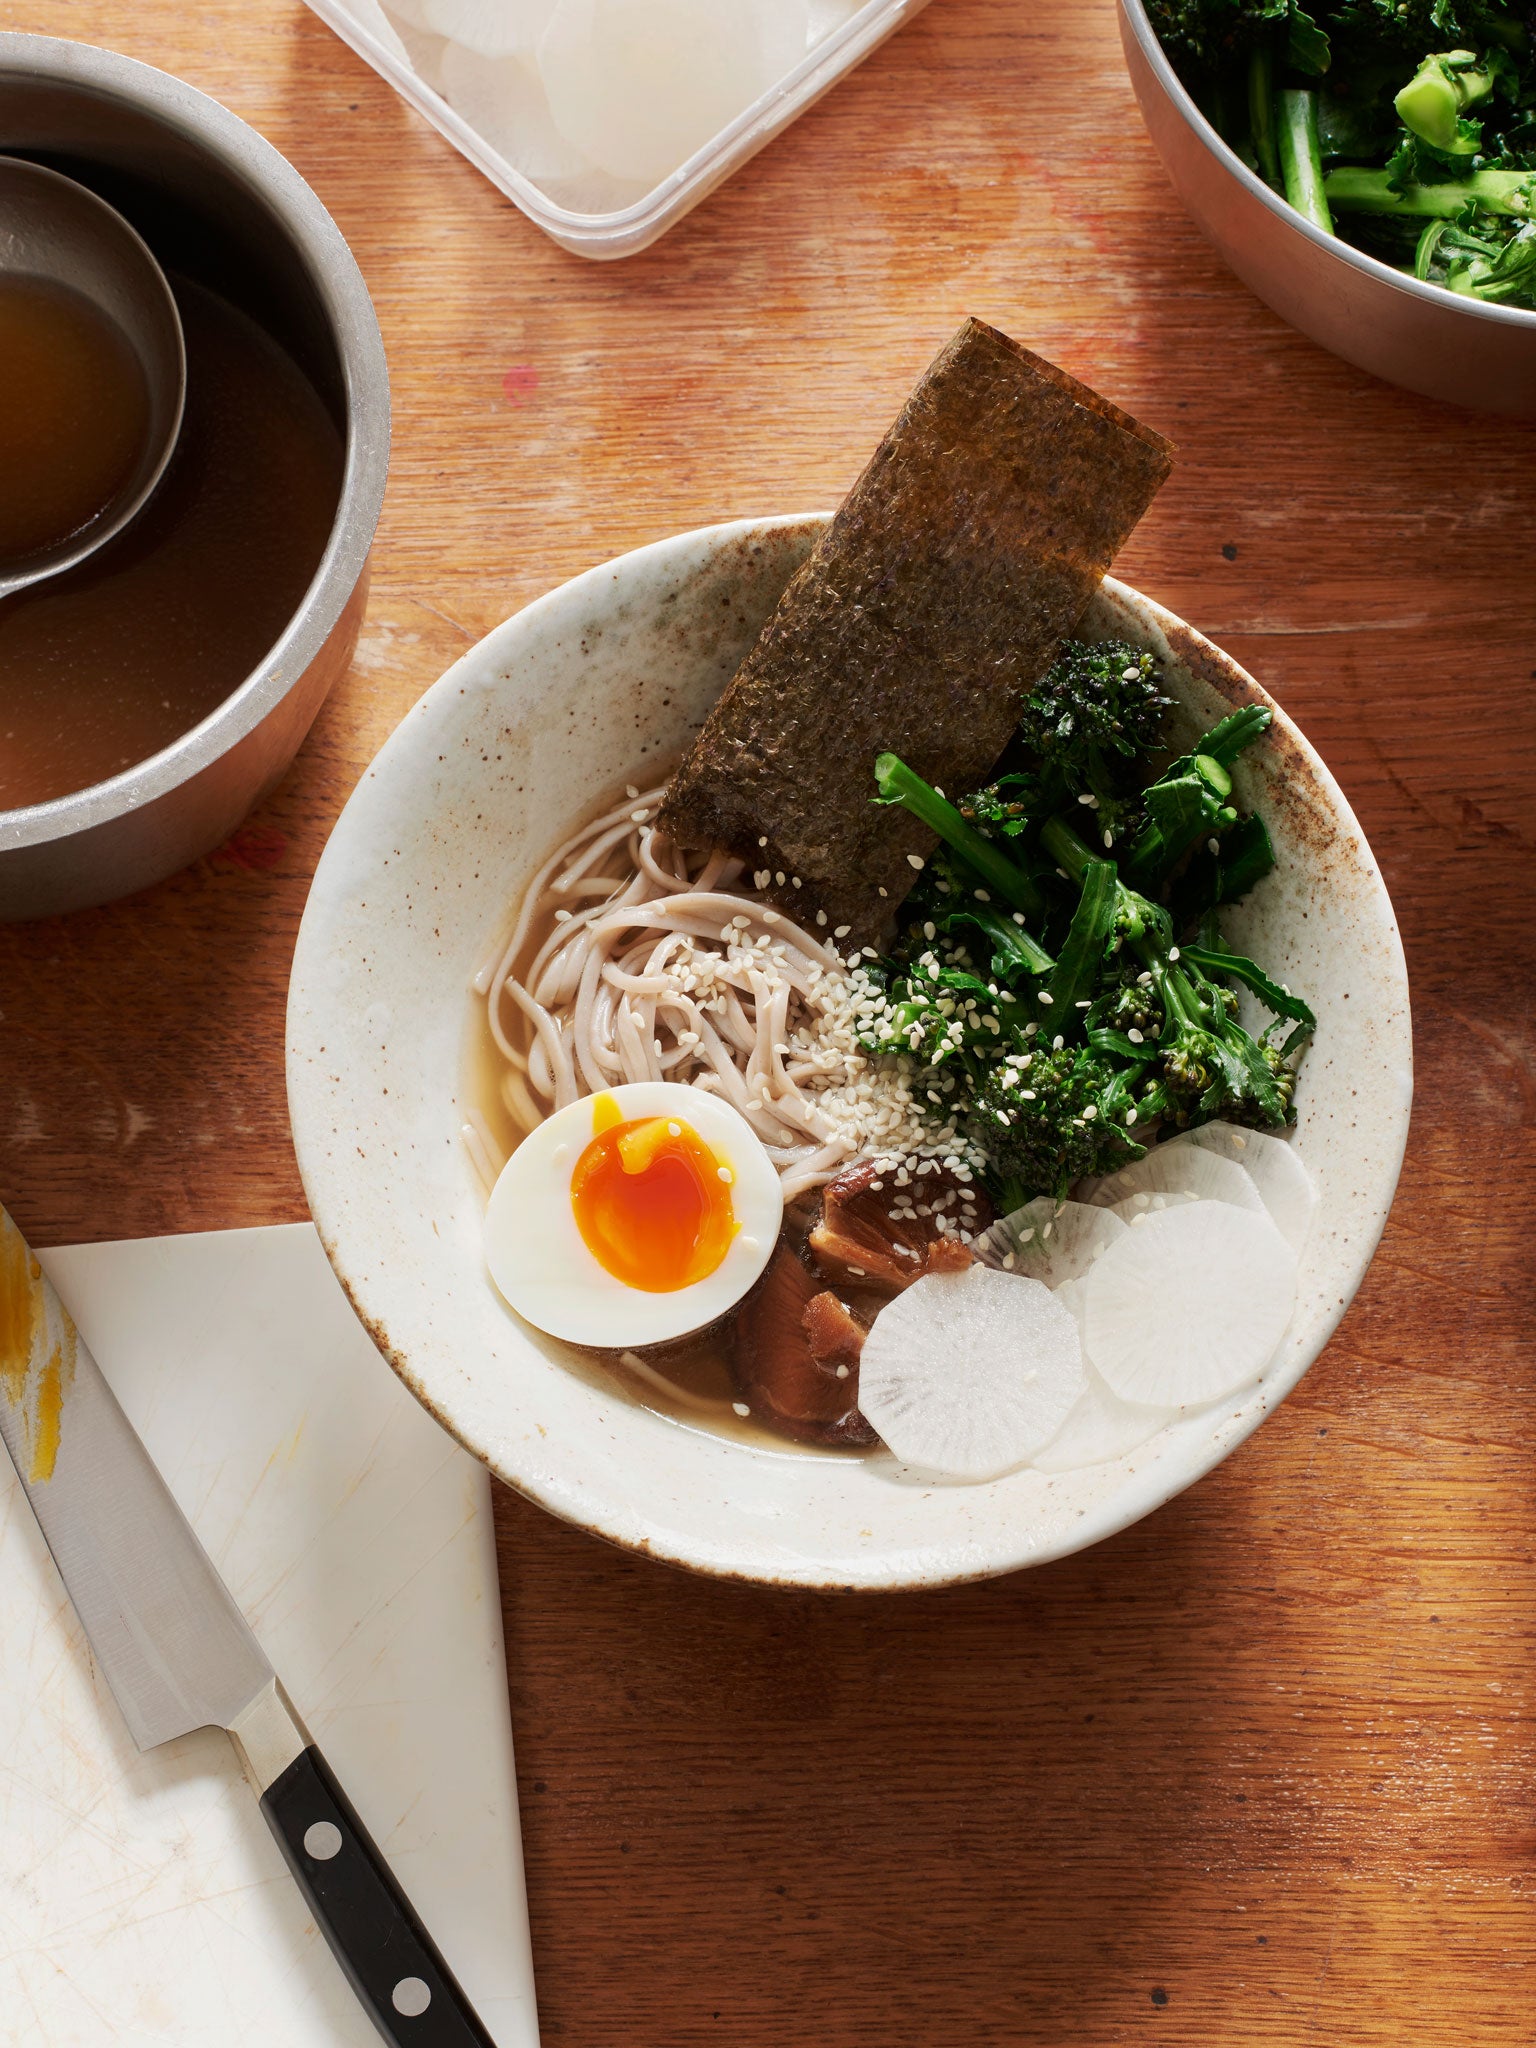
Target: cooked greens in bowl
[{"x": 1406, "y": 127}]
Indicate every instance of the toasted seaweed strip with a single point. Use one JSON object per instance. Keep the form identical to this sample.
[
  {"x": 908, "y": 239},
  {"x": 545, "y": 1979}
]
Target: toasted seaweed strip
[{"x": 938, "y": 595}]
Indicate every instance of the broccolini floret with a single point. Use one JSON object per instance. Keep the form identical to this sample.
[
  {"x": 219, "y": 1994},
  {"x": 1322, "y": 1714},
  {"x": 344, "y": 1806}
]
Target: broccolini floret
[{"x": 1062, "y": 1042}]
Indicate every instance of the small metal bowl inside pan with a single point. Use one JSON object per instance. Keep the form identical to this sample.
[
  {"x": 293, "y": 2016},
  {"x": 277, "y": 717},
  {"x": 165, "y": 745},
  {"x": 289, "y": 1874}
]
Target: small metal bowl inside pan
[
  {"x": 1417, "y": 335},
  {"x": 221, "y": 205}
]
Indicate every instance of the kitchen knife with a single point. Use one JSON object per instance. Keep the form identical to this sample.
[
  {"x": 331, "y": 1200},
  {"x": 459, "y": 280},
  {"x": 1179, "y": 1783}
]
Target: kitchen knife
[{"x": 178, "y": 1653}]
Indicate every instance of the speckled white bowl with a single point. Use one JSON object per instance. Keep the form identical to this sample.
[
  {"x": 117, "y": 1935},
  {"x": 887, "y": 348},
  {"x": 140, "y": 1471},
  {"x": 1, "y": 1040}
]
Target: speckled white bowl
[{"x": 604, "y": 681}]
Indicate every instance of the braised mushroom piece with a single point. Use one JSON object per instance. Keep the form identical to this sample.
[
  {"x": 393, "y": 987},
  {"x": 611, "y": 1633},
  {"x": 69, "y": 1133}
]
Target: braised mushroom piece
[{"x": 797, "y": 1338}]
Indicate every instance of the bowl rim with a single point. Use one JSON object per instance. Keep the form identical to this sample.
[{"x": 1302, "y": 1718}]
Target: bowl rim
[
  {"x": 333, "y": 273},
  {"x": 1134, "y": 14},
  {"x": 617, "y": 1521}
]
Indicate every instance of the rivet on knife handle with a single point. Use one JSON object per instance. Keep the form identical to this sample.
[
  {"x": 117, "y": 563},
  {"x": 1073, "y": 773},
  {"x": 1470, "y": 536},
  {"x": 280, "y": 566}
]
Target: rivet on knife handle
[{"x": 395, "y": 1969}]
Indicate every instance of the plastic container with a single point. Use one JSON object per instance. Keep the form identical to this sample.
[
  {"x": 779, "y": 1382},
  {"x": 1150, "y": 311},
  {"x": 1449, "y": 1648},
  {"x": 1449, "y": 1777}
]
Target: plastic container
[{"x": 625, "y": 229}]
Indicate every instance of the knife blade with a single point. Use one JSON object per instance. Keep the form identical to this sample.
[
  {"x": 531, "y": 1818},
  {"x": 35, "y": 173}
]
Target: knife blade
[{"x": 178, "y": 1654}]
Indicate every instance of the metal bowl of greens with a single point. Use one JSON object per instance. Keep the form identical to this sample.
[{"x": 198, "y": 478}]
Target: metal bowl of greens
[{"x": 1368, "y": 168}]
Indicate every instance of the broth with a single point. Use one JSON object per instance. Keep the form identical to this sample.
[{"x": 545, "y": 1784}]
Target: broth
[
  {"x": 106, "y": 665},
  {"x": 74, "y": 418}
]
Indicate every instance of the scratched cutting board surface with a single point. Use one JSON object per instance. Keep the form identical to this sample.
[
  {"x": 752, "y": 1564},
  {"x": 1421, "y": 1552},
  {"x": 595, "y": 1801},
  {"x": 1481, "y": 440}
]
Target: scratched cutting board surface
[{"x": 142, "y": 1900}]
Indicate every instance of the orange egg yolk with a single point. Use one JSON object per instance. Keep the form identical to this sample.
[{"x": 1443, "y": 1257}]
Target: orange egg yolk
[{"x": 652, "y": 1202}]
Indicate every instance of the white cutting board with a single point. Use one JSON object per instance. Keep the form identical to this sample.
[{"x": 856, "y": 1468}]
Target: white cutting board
[{"x": 142, "y": 1901}]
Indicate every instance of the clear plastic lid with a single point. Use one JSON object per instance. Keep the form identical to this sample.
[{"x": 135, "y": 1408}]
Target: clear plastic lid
[{"x": 587, "y": 113}]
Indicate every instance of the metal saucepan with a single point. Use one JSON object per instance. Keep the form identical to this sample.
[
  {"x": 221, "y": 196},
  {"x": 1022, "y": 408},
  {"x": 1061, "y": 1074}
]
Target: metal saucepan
[{"x": 219, "y": 204}]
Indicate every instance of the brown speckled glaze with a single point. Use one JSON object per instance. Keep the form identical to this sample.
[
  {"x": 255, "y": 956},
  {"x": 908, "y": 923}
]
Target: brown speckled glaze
[{"x": 604, "y": 681}]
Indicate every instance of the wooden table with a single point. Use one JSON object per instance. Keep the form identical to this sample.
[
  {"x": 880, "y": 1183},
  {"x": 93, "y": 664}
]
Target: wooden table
[{"x": 1262, "y": 1769}]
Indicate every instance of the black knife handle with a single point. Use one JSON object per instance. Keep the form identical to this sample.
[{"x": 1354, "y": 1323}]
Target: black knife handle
[{"x": 404, "y": 1984}]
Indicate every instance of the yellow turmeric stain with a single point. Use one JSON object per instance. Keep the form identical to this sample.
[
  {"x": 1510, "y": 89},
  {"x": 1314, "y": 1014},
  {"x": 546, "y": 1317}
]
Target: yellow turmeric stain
[
  {"x": 48, "y": 1427},
  {"x": 18, "y": 1295},
  {"x": 23, "y": 1331}
]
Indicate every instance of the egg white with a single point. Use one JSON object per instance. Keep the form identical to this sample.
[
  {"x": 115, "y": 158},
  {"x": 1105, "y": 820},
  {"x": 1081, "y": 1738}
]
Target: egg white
[{"x": 540, "y": 1261}]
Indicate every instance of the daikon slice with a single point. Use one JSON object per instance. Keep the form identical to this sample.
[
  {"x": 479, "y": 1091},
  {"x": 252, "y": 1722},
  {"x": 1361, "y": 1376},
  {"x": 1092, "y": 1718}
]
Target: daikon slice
[
  {"x": 1101, "y": 1426},
  {"x": 489, "y": 28},
  {"x": 1274, "y": 1166},
  {"x": 503, "y": 100},
  {"x": 1190, "y": 1304},
  {"x": 969, "y": 1374},
  {"x": 1048, "y": 1240},
  {"x": 1135, "y": 1207},
  {"x": 639, "y": 85},
  {"x": 1175, "y": 1168}
]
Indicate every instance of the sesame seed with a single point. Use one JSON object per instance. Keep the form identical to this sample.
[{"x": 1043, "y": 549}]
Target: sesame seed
[
  {"x": 1109, "y": 837},
  {"x": 763, "y": 841},
  {"x": 841, "y": 931},
  {"x": 740, "y": 1408},
  {"x": 1173, "y": 952},
  {"x": 562, "y": 917},
  {"x": 1046, "y": 996},
  {"x": 1092, "y": 802},
  {"x": 1136, "y": 1037},
  {"x": 914, "y": 860}
]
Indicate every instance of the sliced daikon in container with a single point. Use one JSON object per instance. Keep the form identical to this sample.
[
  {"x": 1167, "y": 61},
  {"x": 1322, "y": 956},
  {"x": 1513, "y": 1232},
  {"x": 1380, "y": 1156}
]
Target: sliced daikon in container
[
  {"x": 1048, "y": 1240},
  {"x": 639, "y": 85},
  {"x": 1274, "y": 1166},
  {"x": 1174, "y": 1168},
  {"x": 489, "y": 28},
  {"x": 969, "y": 1374},
  {"x": 1189, "y": 1305},
  {"x": 502, "y": 99}
]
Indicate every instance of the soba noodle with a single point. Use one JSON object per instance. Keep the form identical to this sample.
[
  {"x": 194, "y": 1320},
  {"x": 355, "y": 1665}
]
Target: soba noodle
[{"x": 630, "y": 962}]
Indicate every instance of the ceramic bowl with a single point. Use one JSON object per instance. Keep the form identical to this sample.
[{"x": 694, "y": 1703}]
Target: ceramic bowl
[{"x": 603, "y": 682}]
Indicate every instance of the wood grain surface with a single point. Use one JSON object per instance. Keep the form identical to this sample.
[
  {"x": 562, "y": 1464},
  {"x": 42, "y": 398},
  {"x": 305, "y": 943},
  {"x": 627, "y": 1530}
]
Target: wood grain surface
[{"x": 1261, "y": 1770}]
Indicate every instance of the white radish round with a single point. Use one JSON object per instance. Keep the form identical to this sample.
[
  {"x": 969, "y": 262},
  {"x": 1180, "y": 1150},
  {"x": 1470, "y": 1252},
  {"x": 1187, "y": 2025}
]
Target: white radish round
[
  {"x": 969, "y": 1374},
  {"x": 1274, "y": 1166},
  {"x": 489, "y": 28},
  {"x": 1190, "y": 1304},
  {"x": 1136, "y": 1208},
  {"x": 1048, "y": 1240},
  {"x": 639, "y": 85},
  {"x": 1175, "y": 1168},
  {"x": 1100, "y": 1427}
]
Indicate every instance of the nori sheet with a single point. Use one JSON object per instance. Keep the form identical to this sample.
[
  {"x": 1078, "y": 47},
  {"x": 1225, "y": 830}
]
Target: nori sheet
[{"x": 961, "y": 558}]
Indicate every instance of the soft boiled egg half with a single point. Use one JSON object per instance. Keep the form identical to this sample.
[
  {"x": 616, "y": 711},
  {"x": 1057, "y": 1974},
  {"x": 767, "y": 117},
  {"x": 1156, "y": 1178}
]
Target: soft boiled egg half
[{"x": 634, "y": 1216}]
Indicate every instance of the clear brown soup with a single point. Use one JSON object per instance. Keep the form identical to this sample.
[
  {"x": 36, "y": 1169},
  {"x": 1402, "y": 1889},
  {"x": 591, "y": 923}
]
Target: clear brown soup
[
  {"x": 74, "y": 413},
  {"x": 106, "y": 665}
]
